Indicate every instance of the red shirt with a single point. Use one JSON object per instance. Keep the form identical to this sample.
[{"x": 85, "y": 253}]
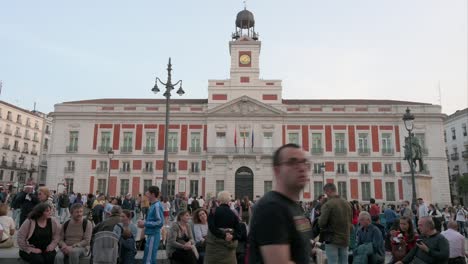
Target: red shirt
[{"x": 374, "y": 210}]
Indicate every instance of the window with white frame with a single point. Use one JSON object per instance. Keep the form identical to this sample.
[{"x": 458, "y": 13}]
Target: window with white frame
[
  {"x": 194, "y": 187},
  {"x": 366, "y": 191},
  {"x": 390, "y": 191},
  {"x": 173, "y": 141},
  {"x": 293, "y": 137},
  {"x": 150, "y": 142},
  {"x": 388, "y": 168},
  {"x": 219, "y": 186},
  {"x": 125, "y": 166},
  {"x": 318, "y": 188},
  {"x": 171, "y": 167},
  {"x": 147, "y": 184},
  {"x": 341, "y": 168},
  {"x": 105, "y": 141},
  {"x": 124, "y": 186},
  {"x": 195, "y": 142},
  {"x": 267, "y": 186},
  {"x": 340, "y": 144},
  {"x": 317, "y": 168},
  {"x": 342, "y": 190},
  {"x": 101, "y": 185},
  {"x": 195, "y": 167},
  {"x": 267, "y": 139},
  {"x": 103, "y": 165},
  {"x": 363, "y": 142},
  {"x": 171, "y": 187},
  {"x": 317, "y": 143},
  {"x": 365, "y": 168},
  {"x": 387, "y": 145},
  {"x": 128, "y": 141},
  {"x": 148, "y": 166},
  {"x": 71, "y": 165},
  {"x": 73, "y": 141}
]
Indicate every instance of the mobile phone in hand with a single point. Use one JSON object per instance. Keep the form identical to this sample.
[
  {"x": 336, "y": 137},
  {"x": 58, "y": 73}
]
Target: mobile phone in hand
[{"x": 419, "y": 241}]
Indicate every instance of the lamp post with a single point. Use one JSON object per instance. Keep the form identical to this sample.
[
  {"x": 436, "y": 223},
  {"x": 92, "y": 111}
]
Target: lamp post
[
  {"x": 408, "y": 119},
  {"x": 110, "y": 153},
  {"x": 169, "y": 87},
  {"x": 21, "y": 173}
]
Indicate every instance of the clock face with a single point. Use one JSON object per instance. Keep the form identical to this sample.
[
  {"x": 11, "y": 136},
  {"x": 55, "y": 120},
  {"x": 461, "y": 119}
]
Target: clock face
[{"x": 244, "y": 59}]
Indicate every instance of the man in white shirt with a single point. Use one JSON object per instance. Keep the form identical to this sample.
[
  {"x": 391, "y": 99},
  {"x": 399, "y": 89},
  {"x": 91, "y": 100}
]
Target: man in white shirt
[
  {"x": 460, "y": 217},
  {"x": 189, "y": 203},
  {"x": 422, "y": 209},
  {"x": 201, "y": 202},
  {"x": 456, "y": 242}
]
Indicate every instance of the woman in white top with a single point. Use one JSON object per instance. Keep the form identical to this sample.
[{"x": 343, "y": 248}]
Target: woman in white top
[
  {"x": 200, "y": 230},
  {"x": 8, "y": 224},
  {"x": 166, "y": 209}
]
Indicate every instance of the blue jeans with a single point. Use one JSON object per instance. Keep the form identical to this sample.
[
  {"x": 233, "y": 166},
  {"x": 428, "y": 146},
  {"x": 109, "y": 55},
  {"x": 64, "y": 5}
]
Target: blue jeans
[
  {"x": 336, "y": 254},
  {"x": 151, "y": 248}
]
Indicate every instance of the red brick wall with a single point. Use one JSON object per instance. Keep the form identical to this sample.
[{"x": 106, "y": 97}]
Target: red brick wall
[
  {"x": 135, "y": 186},
  {"x": 397, "y": 139},
  {"x": 182, "y": 165},
  {"x": 137, "y": 164},
  {"x": 95, "y": 136},
  {"x": 378, "y": 189},
  {"x": 376, "y": 167},
  {"x": 139, "y": 137},
  {"x": 353, "y": 166},
  {"x": 352, "y": 139},
  {"x": 330, "y": 166},
  {"x": 354, "y": 189},
  {"x": 114, "y": 164},
  {"x": 159, "y": 164},
  {"x": 328, "y": 139},
  {"x": 400, "y": 189},
  {"x": 375, "y": 139},
  {"x": 183, "y": 138},
  {"x": 91, "y": 184},
  {"x": 93, "y": 164},
  {"x": 305, "y": 137},
  {"x": 161, "y": 137},
  {"x": 113, "y": 186},
  {"x": 116, "y": 142}
]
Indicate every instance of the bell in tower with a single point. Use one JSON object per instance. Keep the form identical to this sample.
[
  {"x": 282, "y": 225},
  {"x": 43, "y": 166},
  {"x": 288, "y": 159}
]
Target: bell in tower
[{"x": 245, "y": 25}]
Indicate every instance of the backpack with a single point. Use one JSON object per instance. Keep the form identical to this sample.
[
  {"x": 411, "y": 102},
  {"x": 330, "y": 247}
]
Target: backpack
[{"x": 65, "y": 226}]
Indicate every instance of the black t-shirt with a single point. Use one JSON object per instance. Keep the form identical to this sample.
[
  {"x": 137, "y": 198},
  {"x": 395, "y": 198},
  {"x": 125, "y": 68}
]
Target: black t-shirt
[{"x": 278, "y": 220}]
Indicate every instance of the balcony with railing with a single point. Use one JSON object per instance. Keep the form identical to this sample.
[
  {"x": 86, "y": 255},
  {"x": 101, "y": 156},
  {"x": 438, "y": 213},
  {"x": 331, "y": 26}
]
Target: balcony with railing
[
  {"x": 102, "y": 170},
  {"x": 172, "y": 149},
  {"x": 16, "y": 148},
  {"x": 104, "y": 149},
  {"x": 4, "y": 163},
  {"x": 389, "y": 172},
  {"x": 147, "y": 170},
  {"x": 125, "y": 170},
  {"x": 25, "y": 151},
  {"x": 149, "y": 149},
  {"x": 17, "y": 134},
  {"x": 126, "y": 149},
  {"x": 7, "y": 132},
  {"x": 364, "y": 151},
  {"x": 240, "y": 151},
  {"x": 454, "y": 156},
  {"x": 7, "y": 147},
  {"x": 27, "y": 137},
  {"x": 465, "y": 154},
  {"x": 71, "y": 149},
  {"x": 35, "y": 139},
  {"x": 34, "y": 152},
  {"x": 341, "y": 150},
  {"x": 365, "y": 172},
  {"x": 316, "y": 151},
  {"x": 388, "y": 151},
  {"x": 195, "y": 149},
  {"x": 14, "y": 164},
  {"x": 69, "y": 169},
  {"x": 341, "y": 172}
]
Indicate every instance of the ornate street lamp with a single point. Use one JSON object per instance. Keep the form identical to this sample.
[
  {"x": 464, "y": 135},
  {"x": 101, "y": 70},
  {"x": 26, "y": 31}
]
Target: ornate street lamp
[
  {"x": 408, "y": 119},
  {"x": 169, "y": 87},
  {"x": 110, "y": 153}
]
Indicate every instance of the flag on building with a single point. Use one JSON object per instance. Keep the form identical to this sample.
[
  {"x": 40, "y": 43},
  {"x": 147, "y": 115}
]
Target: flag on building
[
  {"x": 252, "y": 138},
  {"x": 235, "y": 137}
]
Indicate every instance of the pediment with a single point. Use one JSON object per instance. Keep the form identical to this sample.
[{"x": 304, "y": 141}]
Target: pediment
[{"x": 245, "y": 106}]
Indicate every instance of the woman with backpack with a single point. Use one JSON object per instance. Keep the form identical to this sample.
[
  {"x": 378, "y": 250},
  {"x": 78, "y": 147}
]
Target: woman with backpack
[{"x": 127, "y": 232}]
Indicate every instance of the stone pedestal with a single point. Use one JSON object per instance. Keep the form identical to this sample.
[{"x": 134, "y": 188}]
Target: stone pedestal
[{"x": 423, "y": 186}]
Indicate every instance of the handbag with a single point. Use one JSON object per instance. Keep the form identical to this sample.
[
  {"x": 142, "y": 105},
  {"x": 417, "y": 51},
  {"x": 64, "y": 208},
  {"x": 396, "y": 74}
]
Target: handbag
[
  {"x": 140, "y": 244},
  {"x": 398, "y": 251}
]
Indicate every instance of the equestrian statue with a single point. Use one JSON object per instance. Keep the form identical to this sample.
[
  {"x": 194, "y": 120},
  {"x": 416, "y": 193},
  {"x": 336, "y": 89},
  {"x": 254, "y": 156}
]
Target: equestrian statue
[{"x": 413, "y": 152}]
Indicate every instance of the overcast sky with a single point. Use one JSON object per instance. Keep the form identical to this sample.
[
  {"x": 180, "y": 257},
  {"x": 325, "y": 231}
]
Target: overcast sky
[{"x": 56, "y": 51}]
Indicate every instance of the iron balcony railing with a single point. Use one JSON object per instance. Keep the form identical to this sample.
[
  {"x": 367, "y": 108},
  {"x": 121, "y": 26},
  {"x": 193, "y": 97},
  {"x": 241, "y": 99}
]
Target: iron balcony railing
[
  {"x": 102, "y": 170},
  {"x": 126, "y": 149},
  {"x": 147, "y": 170},
  {"x": 173, "y": 149},
  {"x": 341, "y": 150},
  {"x": 363, "y": 151},
  {"x": 195, "y": 149},
  {"x": 454, "y": 156},
  {"x": 316, "y": 150},
  {"x": 149, "y": 149},
  {"x": 465, "y": 154},
  {"x": 71, "y": 149},
  {"x": 240, "y": 150},
  {"x": 69, "y": 169},
  {"x": 104, "y": 149},
  {"x": 387, "y": 151}
]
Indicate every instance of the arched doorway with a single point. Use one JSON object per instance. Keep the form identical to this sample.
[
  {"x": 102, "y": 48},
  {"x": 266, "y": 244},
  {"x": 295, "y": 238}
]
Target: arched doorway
[{"x": 244, "y": 183}]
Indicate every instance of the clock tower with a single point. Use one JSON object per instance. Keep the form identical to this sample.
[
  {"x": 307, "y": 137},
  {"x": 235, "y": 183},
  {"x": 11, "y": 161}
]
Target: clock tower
[{"x": 244, "y": 80}]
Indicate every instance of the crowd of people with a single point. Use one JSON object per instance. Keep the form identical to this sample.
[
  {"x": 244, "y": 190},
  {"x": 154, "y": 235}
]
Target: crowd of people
[{"x": 276, "y": 228}]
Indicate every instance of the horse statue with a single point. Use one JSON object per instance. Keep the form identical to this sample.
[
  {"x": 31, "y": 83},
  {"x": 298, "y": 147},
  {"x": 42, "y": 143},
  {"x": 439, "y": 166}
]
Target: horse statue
[{"x": 415, "y": 154}]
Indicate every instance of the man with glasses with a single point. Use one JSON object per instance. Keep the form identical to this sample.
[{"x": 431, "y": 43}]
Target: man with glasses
[{"x": 279, "y": 231}]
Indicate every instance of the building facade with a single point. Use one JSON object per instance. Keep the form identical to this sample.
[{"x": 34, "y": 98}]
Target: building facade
[
  {"x": 456, "y": 140},
  {"x": 22, "y": 134},
  {"x": 226, "y": 141}
]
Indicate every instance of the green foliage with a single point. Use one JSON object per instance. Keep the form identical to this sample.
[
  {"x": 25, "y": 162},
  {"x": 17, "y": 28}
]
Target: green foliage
[{"x": 463, "y": 183}]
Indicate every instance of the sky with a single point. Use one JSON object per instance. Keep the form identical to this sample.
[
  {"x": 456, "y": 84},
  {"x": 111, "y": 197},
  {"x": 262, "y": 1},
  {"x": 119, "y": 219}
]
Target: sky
[{"x": 57, "y": 51}]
